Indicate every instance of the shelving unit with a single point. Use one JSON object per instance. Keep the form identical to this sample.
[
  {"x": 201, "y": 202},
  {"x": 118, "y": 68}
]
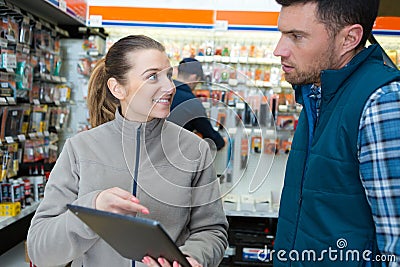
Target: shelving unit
[
  {"x": 55, "y": 11},
  {"x": 7, "y": 220},
  {"x": 43, "y": 22}
]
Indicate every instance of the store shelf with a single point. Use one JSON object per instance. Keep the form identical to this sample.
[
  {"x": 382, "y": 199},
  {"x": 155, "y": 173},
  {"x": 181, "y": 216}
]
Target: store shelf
[
  {"x": 239, "y": 60},
  {"x": 7, "y": 220},
  {"x": 51, "y": 10},
  {"x": 260, "y": 214}
]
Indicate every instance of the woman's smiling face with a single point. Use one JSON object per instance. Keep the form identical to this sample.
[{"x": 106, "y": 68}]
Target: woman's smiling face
[{"x": 148, "y": 90}]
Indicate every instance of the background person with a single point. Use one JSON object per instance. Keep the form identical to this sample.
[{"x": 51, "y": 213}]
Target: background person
[
  {"x": 131, "y": 162},
  {"x": 186, "y": 109},
  {"x": 343, "y": 173}
]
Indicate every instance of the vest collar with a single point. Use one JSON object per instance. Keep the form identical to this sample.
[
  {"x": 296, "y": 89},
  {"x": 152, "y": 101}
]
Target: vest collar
[
  {"x": 332, "y": 80},
  {"x": 128, "y": 128}
]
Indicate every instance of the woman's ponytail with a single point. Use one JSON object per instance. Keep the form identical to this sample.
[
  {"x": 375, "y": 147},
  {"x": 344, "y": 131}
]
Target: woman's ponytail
[{"x": 101, "y": 103}]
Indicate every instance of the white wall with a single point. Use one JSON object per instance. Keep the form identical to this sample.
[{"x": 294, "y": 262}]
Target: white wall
[{"x": 240, "y": 5}]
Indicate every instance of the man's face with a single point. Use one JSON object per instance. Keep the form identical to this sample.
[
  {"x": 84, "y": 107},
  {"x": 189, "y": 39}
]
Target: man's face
[{"x": 305, "y": 46}]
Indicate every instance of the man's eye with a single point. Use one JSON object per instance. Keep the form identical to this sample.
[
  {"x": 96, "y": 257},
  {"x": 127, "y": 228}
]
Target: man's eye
[{"x": 297, "y": 36}]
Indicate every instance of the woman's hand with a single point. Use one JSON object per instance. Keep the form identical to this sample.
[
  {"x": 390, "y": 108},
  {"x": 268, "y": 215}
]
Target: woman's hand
[
  {"x": 120, "y": 201},
  {"x": 149, "y": 261}
]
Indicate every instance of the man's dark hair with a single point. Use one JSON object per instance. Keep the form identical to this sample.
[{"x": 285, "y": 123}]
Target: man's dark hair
[
  {"x": 189, "y": 66},
  {"x": 336, "y": 14}
]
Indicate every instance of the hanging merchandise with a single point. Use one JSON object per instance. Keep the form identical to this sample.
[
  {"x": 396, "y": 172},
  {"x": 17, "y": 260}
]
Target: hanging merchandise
[
  {"x": 256, "y": 143},
  {"x": 230, "y": 155},
  {"x": 271, "y": 146},
  {"x": 263, "y": 112},
  {"x": 274, "y": 108},
  {"x": 285, "y": 146},
  {"x": 244, "y": 151},
  {"x": 24, "y": 72},
  {"x": 11, "y": 121},
  {"x": 25, "y": 34},
  {"x": 39, "y": 118},
  {"x": 285, "y": 122}
]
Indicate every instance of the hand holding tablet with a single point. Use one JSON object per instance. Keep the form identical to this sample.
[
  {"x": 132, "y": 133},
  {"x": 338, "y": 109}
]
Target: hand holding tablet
[{"x": 132, "y": 237}]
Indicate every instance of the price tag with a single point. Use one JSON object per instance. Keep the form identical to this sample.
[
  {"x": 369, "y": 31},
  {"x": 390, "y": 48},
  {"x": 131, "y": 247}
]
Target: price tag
[
  {"x": 251, "y": 60},
  {"x": 9, "y": 139},
  {"x": 32, "y": 135},
  {"x": 11, "y": 100},
  {"x": 36, "y": 102},
  {"x": 62, "y": 4},
  {"x": 21, "y": 137},
  {"x": 95, "y": 20},
  {"x": 240, "y": 105},
  {"x": 225, "y": 59},
  {"x": 221, "y": 25},
  {"x": 39, "y": 134},
  {"x": 206, "y": 105},
  {"x": 57, "y": 102},
  {"x": 46, "y": 133},
  {"x": 233, "y": 82}
]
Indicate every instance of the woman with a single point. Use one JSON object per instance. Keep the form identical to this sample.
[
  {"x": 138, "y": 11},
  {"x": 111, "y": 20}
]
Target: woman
[{"x": 131, "y": 162}]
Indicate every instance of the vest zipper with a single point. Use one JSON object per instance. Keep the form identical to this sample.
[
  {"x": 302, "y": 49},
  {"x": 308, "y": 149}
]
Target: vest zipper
[{"x": 302, "y": 178}]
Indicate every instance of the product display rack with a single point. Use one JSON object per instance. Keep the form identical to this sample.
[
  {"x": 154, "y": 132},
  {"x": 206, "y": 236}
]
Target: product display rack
[
  {"x": 34, "y": 107},
  {"x": 242, "y": 76},
  {"x": 247, "y": 99},
  {"x": 245, "y": 83}
]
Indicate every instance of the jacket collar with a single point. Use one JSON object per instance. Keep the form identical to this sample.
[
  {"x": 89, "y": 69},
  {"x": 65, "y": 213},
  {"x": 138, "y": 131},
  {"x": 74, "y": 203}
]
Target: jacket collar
[
  {"x": 332, "y": 80},
  {"x": 129, "y": 129},
  {"x": 182, "y": 86}
]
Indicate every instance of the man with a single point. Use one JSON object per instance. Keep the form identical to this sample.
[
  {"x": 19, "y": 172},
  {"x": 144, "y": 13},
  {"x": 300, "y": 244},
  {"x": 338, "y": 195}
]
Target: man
[
  {"x": 340, "y": 203},
  {"x": 187, "y": 110}
]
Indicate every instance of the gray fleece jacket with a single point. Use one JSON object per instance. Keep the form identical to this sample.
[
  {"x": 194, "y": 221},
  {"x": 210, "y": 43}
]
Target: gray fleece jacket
[{"x": 175, "y": 181}]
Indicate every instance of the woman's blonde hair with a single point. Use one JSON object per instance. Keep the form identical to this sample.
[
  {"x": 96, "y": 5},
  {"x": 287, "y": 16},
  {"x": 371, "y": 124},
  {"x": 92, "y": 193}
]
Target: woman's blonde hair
[{"x": 101, "y": 103}]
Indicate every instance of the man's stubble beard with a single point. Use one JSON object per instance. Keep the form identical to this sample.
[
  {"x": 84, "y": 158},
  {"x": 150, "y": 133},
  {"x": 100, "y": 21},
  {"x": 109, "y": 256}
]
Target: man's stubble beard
[{"x": 312, "y": 73}]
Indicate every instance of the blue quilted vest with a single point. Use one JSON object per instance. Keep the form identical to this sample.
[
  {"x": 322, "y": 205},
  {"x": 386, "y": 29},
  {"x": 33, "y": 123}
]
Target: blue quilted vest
[{"x": 324, "y": 209}]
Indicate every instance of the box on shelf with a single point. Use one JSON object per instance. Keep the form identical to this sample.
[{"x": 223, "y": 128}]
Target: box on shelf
[
  {"x": 10, "y": 208},
  {"x": 230, "y": 202}
]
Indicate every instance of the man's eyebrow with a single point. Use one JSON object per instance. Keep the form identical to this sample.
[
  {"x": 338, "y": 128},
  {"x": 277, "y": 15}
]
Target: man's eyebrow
[{"x": 294, "y": 31}]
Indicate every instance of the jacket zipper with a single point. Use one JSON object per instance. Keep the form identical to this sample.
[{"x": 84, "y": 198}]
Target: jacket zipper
[{"x": 136, "y": 171}]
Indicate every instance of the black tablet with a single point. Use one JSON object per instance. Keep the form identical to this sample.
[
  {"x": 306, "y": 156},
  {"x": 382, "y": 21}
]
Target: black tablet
[{"x": 130, "y": 236}]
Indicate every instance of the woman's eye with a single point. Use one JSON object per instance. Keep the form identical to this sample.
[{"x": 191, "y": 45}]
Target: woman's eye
[{"x": 153, "y": 77}]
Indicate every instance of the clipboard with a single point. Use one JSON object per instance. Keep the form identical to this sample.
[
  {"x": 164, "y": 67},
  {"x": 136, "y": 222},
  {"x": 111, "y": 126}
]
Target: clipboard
[{"x": 132, "y": 237}]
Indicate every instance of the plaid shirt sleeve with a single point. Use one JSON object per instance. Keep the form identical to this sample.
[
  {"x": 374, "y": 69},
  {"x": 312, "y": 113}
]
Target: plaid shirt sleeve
[{"x": 379, "y": 156}]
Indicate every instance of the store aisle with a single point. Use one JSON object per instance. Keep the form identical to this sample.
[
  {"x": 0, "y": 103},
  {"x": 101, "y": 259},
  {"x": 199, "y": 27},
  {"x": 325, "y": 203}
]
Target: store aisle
[{"x": 15, "y": 257}]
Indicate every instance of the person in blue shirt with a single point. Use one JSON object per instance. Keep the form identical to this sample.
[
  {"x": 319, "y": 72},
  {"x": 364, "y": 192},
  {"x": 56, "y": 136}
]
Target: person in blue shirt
[
  {"x": 340, "y": 203},
  {"x": 186, "y": 109}
]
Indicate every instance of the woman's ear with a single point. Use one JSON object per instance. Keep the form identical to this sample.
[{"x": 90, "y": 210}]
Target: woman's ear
[
  {"x": 116, "y": 88},
  {"x": 352, "y": 37}
]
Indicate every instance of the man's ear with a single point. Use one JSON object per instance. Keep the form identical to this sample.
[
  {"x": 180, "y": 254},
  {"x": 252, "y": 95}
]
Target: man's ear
[
  {"x": 352, "y": 37},
  {"x": 116, "y": 88},
  {"x": 194, "y": 77}
]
